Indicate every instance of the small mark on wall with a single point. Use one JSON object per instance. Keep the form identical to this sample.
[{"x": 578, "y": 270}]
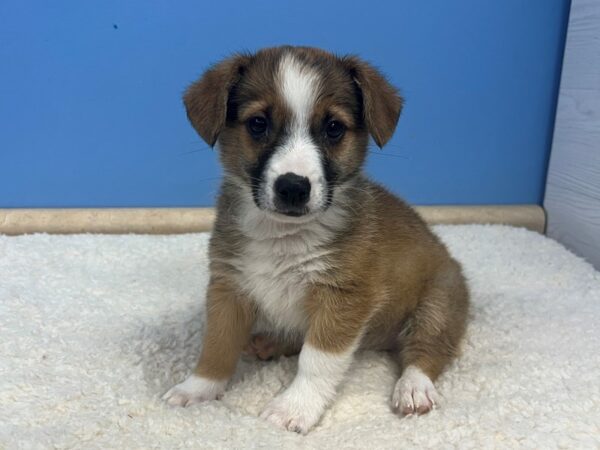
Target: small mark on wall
[{"x": 115, "y": 26}]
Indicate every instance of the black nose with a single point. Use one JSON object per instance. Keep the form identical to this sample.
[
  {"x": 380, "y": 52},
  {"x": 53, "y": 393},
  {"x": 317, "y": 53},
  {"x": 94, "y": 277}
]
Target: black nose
[{"x": 293, "y": 191}]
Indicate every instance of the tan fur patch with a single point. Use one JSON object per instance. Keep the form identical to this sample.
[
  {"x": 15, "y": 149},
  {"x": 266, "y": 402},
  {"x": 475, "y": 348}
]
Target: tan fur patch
[{"x": 229, "y": 319}]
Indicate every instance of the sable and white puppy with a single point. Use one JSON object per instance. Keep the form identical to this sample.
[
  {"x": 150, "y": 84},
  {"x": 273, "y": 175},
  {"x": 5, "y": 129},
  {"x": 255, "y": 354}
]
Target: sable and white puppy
[{"x": 306, "y": 251}]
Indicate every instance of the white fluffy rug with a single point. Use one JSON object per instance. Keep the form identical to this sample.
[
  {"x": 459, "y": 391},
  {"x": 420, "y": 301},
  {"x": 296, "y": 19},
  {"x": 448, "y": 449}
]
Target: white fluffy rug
[{"x": 93, "y": 329}]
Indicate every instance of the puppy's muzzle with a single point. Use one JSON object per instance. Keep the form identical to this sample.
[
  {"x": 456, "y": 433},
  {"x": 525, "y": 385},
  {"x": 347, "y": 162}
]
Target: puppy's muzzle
[{"x": 292, "y": 193}]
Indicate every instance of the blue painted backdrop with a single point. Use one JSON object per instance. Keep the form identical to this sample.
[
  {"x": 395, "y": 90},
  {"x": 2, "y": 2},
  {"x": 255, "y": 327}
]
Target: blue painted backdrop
[{"x": 90, "y": 109}]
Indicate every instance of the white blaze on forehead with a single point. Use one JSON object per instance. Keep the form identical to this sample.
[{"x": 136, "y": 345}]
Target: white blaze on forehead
[{"x": 298, "y": 86}]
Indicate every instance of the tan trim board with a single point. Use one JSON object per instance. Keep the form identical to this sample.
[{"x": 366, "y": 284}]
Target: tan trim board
[
  {"x": 532, "y": 217},
  {"x": 192, "y": 220},
  {"x": 106, "y": 220}
]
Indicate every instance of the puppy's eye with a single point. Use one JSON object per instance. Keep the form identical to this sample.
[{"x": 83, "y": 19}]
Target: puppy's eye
[
  {"x": 257, "y": 126},
  {"x": 334, "y": 130}
]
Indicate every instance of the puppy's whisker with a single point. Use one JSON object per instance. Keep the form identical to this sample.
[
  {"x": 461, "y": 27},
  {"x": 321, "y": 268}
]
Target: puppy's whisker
[
  {"x": 199, "y": 150},
  {"x": 202, "y": 180},
  {"x": 380, "y": 153}
]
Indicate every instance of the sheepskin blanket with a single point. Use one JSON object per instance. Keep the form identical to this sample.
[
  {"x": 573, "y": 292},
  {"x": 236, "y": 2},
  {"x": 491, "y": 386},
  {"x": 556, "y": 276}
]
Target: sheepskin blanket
[{"x": 94, "y": 328}]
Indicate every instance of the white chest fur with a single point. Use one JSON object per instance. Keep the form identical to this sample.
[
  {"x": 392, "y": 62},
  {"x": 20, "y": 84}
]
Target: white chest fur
[
  {"x": 279, "y": 261},
  {"x": 276, "y": 272}
]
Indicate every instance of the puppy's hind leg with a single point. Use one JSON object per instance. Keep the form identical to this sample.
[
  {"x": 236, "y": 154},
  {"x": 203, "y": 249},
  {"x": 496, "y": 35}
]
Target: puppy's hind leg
[{"x": 430, "y": 340}]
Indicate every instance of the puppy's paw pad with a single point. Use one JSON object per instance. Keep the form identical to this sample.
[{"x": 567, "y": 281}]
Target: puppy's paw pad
[
  {"x": 414, "y": 393},
  {"x": 261, "y": 346},
  {"x": 283, "y": 415},
  {"x": 194, "y": 390}
]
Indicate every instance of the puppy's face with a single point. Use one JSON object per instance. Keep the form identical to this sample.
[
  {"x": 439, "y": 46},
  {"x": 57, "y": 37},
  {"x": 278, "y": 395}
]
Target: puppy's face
[{"x": 292, "y": 124}]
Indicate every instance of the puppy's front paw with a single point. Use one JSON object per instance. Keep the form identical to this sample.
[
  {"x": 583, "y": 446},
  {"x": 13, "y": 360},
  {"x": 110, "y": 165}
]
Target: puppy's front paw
[
  {"x": 292, "y": 413},
  {"x": 194, "y": 389},
  {"x": 414, "y": 393}
]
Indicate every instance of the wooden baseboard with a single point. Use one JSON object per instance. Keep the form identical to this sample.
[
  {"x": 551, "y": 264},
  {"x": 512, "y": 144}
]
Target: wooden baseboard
[
  {"x": 532, "y": 217},
  {"x": 192, "y": 220}
]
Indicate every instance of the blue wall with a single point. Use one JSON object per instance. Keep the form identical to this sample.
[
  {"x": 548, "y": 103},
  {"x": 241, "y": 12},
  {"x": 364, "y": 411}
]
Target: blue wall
[{"x": 90, "y": 109}]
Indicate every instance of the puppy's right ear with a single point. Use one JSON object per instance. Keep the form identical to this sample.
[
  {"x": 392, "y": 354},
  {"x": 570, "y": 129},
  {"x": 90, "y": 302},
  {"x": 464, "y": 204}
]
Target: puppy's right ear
[
  {"x": 206, "y": 99},
  {"x": 382, "y": 103}
]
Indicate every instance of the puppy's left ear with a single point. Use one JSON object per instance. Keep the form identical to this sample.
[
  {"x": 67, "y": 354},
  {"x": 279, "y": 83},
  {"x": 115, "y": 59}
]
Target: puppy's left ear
[
  {"x": 206, "y": 99},
  {"x": 382, "y": 103}
]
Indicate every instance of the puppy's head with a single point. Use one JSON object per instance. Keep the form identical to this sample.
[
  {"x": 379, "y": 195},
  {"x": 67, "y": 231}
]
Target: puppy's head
[{"x": 292, "y": 123}]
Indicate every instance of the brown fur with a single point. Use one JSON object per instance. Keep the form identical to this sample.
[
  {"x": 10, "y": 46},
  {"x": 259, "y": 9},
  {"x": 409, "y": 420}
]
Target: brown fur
[
  {"x": 391, "y": 283},
  {"x": 229, "y": 319}
]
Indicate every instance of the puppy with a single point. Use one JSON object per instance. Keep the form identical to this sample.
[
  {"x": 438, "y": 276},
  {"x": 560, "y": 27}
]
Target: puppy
[{"x": 306, "y": 252}]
